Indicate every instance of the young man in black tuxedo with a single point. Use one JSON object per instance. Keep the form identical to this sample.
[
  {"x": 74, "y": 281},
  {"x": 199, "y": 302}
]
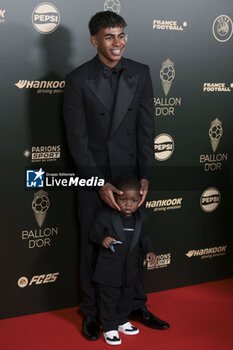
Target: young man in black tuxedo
[{"x": 109, "y": 118}]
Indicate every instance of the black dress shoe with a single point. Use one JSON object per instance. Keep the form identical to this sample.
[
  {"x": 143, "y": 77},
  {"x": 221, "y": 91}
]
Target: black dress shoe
[
  {"x": 148, "y": 319},
  {"x": 90, "y": 329}
]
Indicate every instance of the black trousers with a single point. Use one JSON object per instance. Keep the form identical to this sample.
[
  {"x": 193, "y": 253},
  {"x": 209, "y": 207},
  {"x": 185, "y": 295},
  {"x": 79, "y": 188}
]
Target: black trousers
[
  {"x": 115, "y": 304},
  {"x": 88, "y": 204}
]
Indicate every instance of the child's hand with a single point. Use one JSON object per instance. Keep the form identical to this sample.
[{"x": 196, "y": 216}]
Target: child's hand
[
  {"x": 107, "y": 241},
  {"x": 151, "y": 258}
]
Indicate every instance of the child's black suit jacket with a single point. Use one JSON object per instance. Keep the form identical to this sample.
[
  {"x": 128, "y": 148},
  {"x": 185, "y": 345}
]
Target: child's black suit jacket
[{"x": 122, "y": 266}]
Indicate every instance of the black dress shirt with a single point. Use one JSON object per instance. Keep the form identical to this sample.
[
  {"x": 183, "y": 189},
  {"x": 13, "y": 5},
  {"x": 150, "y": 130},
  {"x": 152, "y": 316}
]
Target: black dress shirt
[
  {"x": 128, "y": 225},
  {"x": 112, "y": 76}
]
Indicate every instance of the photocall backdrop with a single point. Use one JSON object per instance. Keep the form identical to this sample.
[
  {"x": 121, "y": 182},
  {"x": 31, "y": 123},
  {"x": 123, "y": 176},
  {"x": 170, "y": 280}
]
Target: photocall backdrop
[{"x": 188, "y": 46}]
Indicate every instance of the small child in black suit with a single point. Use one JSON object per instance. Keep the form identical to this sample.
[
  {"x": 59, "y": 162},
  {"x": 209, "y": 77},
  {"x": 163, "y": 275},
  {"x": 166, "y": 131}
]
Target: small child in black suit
[{"x": 122, "y": 237}]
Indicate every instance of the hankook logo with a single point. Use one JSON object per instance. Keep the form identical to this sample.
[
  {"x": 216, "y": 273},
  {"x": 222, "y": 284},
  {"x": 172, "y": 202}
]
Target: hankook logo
[
  {"x": 165, "y": 204},
  {"x": 43, "y": 86},
  {"x": 207, "y": 252}
]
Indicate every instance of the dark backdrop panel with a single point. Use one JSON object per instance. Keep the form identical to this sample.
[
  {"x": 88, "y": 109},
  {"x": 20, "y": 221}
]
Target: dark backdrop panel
[{"x": 188, "y": 46}]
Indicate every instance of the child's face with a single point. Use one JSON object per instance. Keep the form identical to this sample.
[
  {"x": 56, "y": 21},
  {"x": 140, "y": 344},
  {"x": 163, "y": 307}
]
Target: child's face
[{"x": 128, "y": 201}]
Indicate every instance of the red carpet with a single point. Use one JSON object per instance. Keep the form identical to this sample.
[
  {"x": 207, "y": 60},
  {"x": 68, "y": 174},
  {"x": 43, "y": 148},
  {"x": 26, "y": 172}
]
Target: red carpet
[{"x": 201, "y": 317}]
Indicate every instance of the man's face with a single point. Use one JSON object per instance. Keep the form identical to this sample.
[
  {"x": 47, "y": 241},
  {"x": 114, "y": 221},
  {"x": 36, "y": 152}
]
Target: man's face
[
  {"x": 128, "y": 201},
  {"x": 110, "y": 44}
]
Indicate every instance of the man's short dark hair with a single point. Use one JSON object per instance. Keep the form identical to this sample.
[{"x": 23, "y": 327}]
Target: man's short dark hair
[
  {"x": 125, "y": 183},
  {"x": 105, "y": 19}
]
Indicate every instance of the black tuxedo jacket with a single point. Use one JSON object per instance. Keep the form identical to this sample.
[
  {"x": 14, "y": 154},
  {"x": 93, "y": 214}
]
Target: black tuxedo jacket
[
  {"x": 100, "y": 139},
  {"x": 122, "y": 266}
]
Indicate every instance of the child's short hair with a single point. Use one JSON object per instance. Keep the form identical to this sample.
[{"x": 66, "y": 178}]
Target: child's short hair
[
  {"x": 105, "y": 19},
  {"x": 127, "y": 183}
]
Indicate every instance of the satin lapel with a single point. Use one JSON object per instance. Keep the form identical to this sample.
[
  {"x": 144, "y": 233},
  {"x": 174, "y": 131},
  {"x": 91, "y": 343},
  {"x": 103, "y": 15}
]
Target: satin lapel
[
  {"x": 125, "y": 93},
  {"x": 118, "y": 226},
  {"x": 137, "y": 230},
  {"x": 102, "y": 91}
]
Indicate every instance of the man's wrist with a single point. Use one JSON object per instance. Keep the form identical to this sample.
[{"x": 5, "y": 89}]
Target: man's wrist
[{"x": 144, "y": 180}]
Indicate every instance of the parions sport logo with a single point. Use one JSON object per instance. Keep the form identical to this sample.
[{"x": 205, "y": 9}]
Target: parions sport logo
[
  {"x": 222, "y": 28},
  {"x": 163, "y": 147},
  {"x": 165, "y": 106},
  {"x": 45, "y": 18},
  {"x": 163, "y": 260},
  {"x": 43, "y": 153},
  {"x": 210, "y": 199}
]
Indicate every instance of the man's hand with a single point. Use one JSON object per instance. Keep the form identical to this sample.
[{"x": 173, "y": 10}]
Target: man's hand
[
  {"x": 151, "y": 258},
  {"x": 143, "y": 190},
  {"x": 106, "y": 194},
  {"x": 107, "y": 241}
]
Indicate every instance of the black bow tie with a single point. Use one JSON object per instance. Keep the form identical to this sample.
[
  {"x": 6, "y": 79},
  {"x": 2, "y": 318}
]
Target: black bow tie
[{"x": 108, "y": 72}]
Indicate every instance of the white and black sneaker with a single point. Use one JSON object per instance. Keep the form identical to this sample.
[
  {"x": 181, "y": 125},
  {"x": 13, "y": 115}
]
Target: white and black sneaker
[
  {"x": 112, "y": 338},
  {"x": 128, "y": 328}
]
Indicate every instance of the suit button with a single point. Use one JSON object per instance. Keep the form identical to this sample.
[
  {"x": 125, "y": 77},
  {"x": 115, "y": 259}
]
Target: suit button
[
  {"x": 130, "y": 109},
  {"x": 131, "y": 154},
  {"x": 128, "y": 133},
  {"x": 107, "y": 160},
  {"x": 102, "y": 113}
]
